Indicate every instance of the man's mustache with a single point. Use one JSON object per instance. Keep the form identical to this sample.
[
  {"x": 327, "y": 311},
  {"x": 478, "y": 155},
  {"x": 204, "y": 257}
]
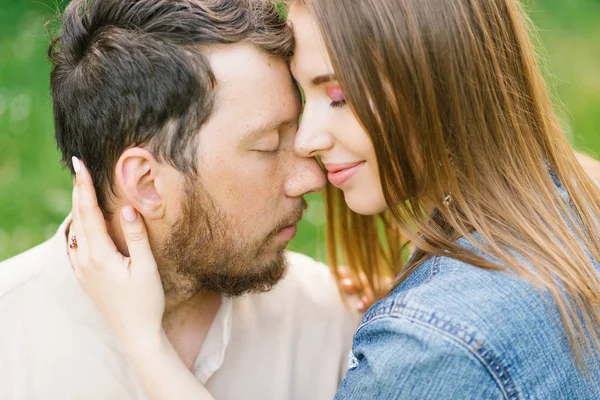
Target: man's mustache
[{"x": 292, "y": 219}]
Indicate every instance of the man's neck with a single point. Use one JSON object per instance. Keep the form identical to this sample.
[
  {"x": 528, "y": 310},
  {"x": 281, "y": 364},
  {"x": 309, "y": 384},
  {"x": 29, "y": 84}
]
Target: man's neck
[{"x": 187, "y": 323}]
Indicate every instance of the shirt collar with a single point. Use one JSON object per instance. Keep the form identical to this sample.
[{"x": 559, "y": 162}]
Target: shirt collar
[{"x": 212, "y": 353}]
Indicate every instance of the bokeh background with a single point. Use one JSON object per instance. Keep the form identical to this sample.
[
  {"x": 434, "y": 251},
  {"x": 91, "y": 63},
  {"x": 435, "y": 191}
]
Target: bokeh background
[{"x": 35, "y": 189}]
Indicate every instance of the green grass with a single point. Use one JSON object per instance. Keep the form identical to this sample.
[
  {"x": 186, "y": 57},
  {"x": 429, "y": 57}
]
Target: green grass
[{"x": 35, "y": 190}]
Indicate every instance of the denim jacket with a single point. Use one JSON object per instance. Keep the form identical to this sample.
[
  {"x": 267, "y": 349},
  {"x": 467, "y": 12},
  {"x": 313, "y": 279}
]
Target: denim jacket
[{"x": 456, "y": 331}]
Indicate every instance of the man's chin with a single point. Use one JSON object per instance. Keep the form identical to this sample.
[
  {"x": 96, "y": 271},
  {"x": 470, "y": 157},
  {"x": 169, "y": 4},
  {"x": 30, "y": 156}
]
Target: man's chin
[{"x": 255, "y": 279}]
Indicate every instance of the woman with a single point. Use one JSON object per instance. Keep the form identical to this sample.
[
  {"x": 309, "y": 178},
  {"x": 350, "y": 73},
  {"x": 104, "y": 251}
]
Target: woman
[{"x": 432, "y": 115}]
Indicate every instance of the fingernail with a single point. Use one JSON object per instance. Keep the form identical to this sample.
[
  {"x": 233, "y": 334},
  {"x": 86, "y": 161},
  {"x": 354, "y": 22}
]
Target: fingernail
[
  {"x": 360, "y": 306},
  {"x": 129, "y": 214},
  {"x": 76, "y": 164},
  {"x": 347, "y": 282}
]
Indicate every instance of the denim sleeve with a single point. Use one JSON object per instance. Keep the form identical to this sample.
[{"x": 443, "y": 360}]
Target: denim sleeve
[{"x": 399, "y": 358}]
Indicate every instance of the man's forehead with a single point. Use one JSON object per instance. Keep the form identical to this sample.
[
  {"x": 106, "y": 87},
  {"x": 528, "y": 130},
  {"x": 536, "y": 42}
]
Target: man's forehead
[
  {"x": 243, "y": 64},
  {"x": 254, "y": 91}
]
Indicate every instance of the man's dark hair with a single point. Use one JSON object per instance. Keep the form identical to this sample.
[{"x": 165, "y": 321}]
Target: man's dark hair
[{"x": 134, "y": 72}]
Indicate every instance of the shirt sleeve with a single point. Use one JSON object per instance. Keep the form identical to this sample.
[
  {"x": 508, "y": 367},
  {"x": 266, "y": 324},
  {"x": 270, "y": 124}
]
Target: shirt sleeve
[{"x": 396, "y": 358}]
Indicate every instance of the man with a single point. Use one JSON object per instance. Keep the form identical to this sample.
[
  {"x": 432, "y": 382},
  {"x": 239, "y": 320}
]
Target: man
[{"x": 184, "y": 109}]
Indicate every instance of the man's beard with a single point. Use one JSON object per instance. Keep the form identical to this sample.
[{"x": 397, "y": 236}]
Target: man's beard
[{"x": 203, "y": 253}]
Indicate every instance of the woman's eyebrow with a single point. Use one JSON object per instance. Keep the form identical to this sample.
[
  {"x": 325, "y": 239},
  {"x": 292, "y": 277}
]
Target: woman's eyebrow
[{"x": 321, "y": 79}]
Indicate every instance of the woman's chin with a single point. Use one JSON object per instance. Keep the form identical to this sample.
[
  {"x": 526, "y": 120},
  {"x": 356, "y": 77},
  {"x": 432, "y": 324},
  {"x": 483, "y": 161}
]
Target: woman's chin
[{"x": 365, "y": 204}]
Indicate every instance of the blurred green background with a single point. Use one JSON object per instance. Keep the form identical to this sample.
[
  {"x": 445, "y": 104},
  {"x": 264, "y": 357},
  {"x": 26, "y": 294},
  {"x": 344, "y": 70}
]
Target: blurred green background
[{"x": 35, "y": 190}]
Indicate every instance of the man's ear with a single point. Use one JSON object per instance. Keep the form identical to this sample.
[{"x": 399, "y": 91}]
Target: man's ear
[{"x": 136, "y": 173}]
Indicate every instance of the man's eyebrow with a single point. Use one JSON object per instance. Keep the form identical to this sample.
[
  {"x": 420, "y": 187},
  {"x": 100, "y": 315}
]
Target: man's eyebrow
[
  {"x": 321, "y": 79},
  {"x": 276, "y": 125}
]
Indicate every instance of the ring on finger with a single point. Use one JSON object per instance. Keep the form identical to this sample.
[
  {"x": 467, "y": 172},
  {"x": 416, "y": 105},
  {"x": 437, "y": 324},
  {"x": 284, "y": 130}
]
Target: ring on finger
[{"x": 73, "y": 244}]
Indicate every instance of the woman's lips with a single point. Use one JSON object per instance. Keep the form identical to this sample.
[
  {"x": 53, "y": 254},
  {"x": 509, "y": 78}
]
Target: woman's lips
[{"x": 338, "y": 174}]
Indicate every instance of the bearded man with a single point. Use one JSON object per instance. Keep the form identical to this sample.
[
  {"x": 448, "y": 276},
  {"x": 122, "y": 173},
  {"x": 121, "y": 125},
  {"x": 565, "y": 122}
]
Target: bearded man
[{"x": 185, "y": 110}]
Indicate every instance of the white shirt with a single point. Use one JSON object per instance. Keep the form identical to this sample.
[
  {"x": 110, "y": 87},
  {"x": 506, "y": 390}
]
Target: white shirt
[{"x": 289, "y": 343}]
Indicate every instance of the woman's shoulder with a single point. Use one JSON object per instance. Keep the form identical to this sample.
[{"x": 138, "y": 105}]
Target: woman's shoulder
[
  {"x": 432, "y": 337},
  {"x": 461, "y": 298},
  {"x": 491, "y": 327}
]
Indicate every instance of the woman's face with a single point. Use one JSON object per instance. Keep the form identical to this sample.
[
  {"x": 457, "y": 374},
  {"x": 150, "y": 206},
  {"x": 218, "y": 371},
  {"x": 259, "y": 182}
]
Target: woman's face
[{"x": 328, "y": 128}]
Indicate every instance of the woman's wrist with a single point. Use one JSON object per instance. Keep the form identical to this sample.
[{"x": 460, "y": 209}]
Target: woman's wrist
[
  {"x": 151, "y": 343},
  {"x": 161, "y": 371}
]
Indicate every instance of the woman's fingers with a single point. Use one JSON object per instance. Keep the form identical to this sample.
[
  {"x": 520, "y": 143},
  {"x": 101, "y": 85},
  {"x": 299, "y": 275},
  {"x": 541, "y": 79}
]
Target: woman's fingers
[
  {"x": 367, "y": 297},
  {"x": 137, "y": 240},
  {"x": 78, "y": 243},
  {"x": 356, "y": 287},
  {"x": 359, "y": 286},
  {"x": 348, "y": 286},
  {"x": 90, "y": 219},
  {"x": 127, "y": 290}
]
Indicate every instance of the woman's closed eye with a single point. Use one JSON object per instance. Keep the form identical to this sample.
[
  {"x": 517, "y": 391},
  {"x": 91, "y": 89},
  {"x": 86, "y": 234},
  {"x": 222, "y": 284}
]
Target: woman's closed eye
[{"x": 337, "y": 96}]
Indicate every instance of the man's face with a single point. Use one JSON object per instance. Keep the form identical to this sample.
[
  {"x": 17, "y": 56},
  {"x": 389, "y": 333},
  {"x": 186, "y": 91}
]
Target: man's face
[{"x": 239, "y": 214}]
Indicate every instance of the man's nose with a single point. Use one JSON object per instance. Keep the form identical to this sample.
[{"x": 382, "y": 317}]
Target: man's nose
[{"x": 306, "y": 176}]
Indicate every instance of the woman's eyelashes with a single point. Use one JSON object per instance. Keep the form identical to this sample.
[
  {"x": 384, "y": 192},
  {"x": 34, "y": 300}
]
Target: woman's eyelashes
[
  {"x": 337, "y": 96},
  {"x": 337, "y": 104}
]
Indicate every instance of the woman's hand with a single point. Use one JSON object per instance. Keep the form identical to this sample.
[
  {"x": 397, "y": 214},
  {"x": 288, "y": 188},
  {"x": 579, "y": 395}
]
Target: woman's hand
[
  {"x": 366, "y": 298},
  {"x": 127, "y": 290}
]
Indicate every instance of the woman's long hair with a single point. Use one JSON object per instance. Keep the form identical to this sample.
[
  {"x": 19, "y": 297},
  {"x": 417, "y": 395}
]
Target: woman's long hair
[{"x": 456, "y": 107}]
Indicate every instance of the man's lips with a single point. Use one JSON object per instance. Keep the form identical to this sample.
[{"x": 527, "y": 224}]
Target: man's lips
[
  {"x": 288, "y": 233},
  {"x": 341, "y": 173}
]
